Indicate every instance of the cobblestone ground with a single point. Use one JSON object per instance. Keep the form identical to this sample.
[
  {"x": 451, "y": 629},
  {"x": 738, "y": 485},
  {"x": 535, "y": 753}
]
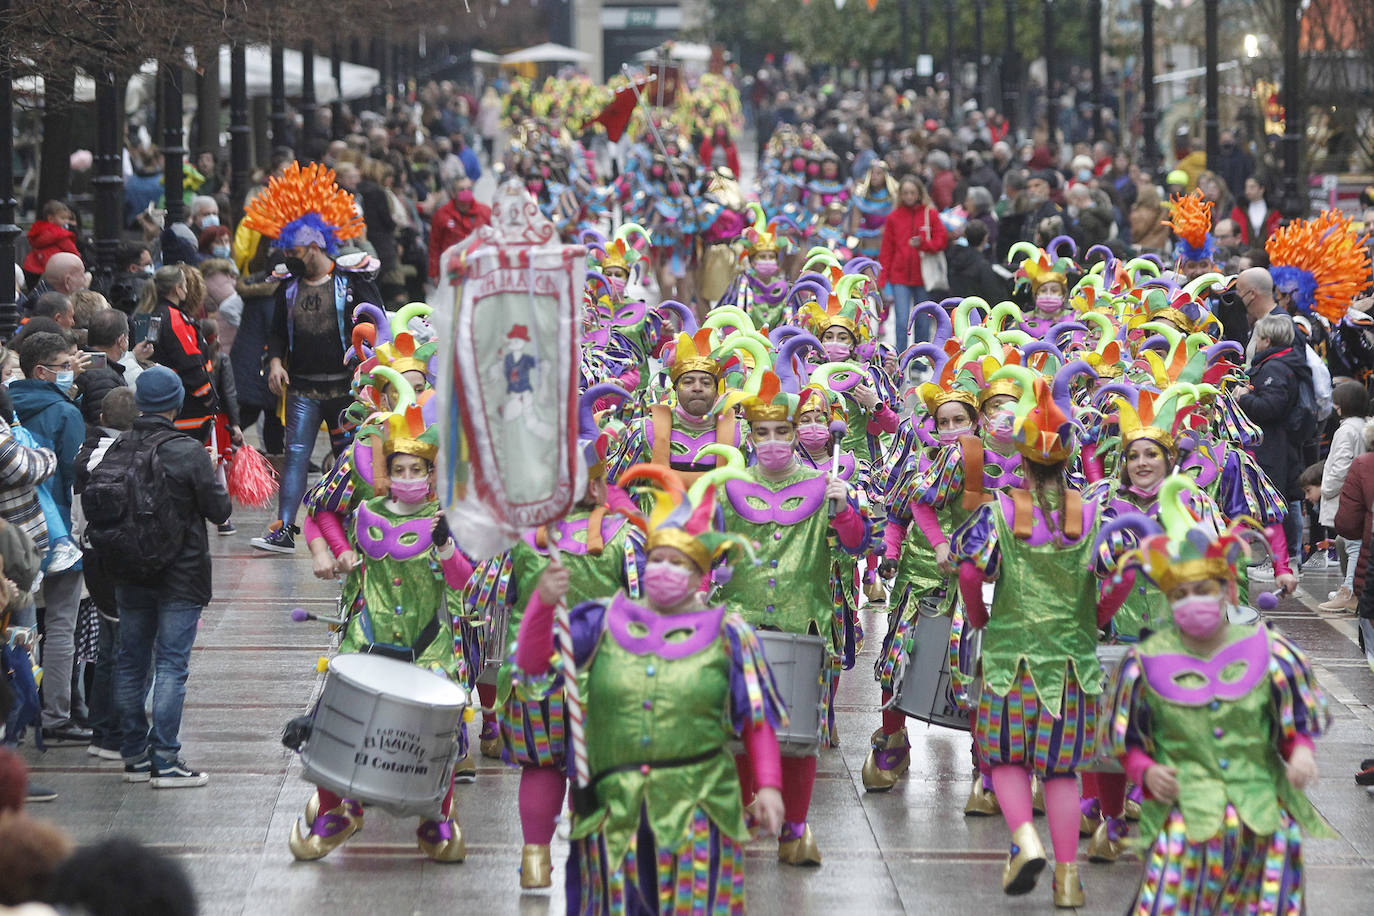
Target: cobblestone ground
[{"x": 910, "y": 850}]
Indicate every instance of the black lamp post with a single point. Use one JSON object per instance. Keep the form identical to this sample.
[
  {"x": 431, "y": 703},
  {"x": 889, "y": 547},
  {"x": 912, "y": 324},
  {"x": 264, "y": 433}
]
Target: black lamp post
[
  {"x": 1149, "y": 113},
  {"x": 1010, "y": 69},
  {"x": 1292, "y": 205},
  {"x": 280, "y": 131},
  {"x": 904, "y": 24},
  {"x": 173, "y": 141},
  {"x": 307, "y": 140},
  {"x": 109, "y": 184},
  {"x": 9, "y": 231},
  {"x": 1212, "y": 124},
  {"x": 1051, "y": 102},
  {"x": 240, "y": 131},
  {"x": 949, "y": 58},
  {"x": 1095, "y": 52},
  {"x": 336, "y": 107},
  {"x": 978, "y": 6}
]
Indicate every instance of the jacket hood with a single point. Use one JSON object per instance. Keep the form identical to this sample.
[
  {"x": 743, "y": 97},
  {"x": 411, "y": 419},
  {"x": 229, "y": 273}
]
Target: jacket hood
[
  {"x": 43, "y": 234},
  {"x": 29, "y": 394}
]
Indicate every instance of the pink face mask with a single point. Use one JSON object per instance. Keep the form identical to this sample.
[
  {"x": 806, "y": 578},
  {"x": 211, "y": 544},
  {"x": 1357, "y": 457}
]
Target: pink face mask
[
  {"x": 999, "y": 425},
  {"x": 617, "y": 285},
  {"x": 464, "y": 196},
  {"x": 836, "y": 351},
  {"x": 814, "y": 435},
  {"x": 1049, "y": 304},
  {"x": 1146, "y": 492},
  {"x": 951, "y": 436},
  {"x": 774, "y": 455},
  {"x": 413, "y": 491},
  {"x": 1198, "y": 616},
  {"x": 766, "y": 268},
  {"x": 667, "y": 584}
]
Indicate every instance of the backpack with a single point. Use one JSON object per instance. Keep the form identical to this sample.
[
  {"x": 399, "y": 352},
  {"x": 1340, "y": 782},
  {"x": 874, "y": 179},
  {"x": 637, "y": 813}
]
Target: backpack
[
  {"x": 1321, "y": 384},
  {"x": 131, "y": 520}
]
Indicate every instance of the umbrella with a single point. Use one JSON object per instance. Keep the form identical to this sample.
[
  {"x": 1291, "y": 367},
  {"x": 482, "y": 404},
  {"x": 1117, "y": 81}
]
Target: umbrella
[{"x": 548, "y": 52}]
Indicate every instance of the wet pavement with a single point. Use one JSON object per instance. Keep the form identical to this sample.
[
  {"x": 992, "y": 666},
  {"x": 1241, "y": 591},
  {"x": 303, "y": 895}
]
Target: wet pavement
[{"x": 909, "y": 850}]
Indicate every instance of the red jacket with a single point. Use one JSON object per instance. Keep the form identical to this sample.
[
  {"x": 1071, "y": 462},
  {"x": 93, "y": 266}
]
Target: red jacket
[
  {"x": 900, "y": 260},
  {"x": 450, "y": 226},
  {"x": 1242, "y": 217},
  {"x": 707, "y": 151},
  {"x": 45, "y": 240},
  {"x": 1353, "y": 515}
]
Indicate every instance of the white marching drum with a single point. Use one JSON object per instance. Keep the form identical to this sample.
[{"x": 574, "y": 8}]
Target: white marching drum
[
  {"x": 798, "y": 665},
  {"x": 925, "y": 691},
  {"x": 385, "y": 733},
  {"x": 494, "y": 644},
  {"x": 1109, "y": 657}
]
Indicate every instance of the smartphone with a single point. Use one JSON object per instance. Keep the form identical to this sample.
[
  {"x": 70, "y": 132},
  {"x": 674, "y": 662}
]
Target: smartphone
[
  {"x": 97, "y": 360},
  {"x": 154, "y": 326}
]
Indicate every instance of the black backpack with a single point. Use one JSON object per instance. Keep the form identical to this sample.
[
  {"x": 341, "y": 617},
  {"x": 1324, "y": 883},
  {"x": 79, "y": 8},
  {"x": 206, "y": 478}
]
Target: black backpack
[{"x": 131, "y": 520}]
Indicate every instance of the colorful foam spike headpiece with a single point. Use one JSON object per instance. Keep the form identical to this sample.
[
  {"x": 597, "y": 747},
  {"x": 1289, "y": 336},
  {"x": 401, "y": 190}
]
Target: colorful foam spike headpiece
[
  {"x": 681, "y": 518},
  {"x": 402, "y": 354},
  {"x": 620, "y": 251},
  {"x": 1320, "y": 262},
  {"x": 596, "y": 440},
  {"x": 305, "y": 207},
  {"x": 1153, "y": 417},
  {"x": 1187, "y": 550},
  {"x": 693, "y": 354},
  {"x": 763, "y": 235},
  {"x": 1191, "y": 221}
]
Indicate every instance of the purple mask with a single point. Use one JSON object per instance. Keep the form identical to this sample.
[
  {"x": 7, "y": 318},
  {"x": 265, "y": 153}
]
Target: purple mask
[{"x": 774, "y": 455}]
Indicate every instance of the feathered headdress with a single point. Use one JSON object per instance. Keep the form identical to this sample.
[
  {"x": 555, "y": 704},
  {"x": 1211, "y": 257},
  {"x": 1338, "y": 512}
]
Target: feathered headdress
[
  {"x": 1320, "y": 262},
  {"x": 1191, "y": 221},
  {"x": 680, "y": 518},
  {"x": 305, "y": 207}
]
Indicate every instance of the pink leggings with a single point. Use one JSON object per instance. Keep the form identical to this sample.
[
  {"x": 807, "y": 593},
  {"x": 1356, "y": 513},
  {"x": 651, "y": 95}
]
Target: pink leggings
[
  {"x": 541, "y": 799},
  {"x": 1013, "y": 787},
  {"x": 798, "y": 781},
  {"x": 1109, "y": 789}
]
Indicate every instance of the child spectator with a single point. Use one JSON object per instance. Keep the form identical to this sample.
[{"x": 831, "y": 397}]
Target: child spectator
[
  {"x": 48, "y": 235},
  {"x": 1350, "y": 401}
]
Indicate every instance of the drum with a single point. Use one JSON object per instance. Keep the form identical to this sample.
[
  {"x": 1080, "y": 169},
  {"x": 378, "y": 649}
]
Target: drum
[
  {"x": 385, "y": 733},
  {"x": 924, "y": 691},
  {"x": 494, "y": 644},
  {"x": 798, "y": 665}
]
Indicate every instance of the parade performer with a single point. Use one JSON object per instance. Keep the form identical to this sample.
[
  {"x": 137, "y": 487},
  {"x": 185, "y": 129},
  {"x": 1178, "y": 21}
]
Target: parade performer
[
  {"x": 874, "y": 198},
  {"x": 1046, "y": 276},
  {"x": 782, "y": 506},
  {"x": 977, "y": 457},
  {"x": 1319, "y": 266},
  {"x": 758, "y": 289},
  {"x": 1191, "y": 220},
  {"x": 672, "y": 436},
  {"x": 398, "y": 600},
  {"x": 666, "y": 684},
  {"x": 308, "y": 216},
  {"x": 1224, "y": 758},
  {"x": 602, "y": 554},
  {"x": 1037, "y": 705}
]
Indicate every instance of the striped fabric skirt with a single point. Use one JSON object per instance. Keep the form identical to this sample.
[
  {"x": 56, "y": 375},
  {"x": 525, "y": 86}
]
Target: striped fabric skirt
[
  {"x": 532, "y": 734},
  {"x": 703, "y": 875},
  {"x": 1235, "y": 871},
  {"x": 1019, "y": 730}
]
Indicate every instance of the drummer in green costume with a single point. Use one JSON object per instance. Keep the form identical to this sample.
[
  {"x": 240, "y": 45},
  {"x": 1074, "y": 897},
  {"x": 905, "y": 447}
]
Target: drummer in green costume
[
  {"x": 1216, "y": 721},
  {"x": 666, "y": 683},
  {"x": 785, "y": 508},
  {"x": 403, "y": 570}
]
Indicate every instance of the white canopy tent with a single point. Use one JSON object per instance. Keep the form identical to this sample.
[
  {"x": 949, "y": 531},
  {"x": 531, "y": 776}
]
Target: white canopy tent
[
  {"x": 679, "y": 50},
  {"x": 484, "y": 57},
  {"x": 547, "y": 53},
  {"x": 358, "y": 81}
]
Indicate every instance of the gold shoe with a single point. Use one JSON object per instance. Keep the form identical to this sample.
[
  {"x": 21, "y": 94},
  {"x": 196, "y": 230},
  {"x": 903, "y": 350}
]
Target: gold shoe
[
  {"x": 1025, "y": 862},
  {"x": 875, "y": 592},
  {"x": 800, "y": 851},
  {"x": 442, "y": 840},
  {"x": 1068, "y": 889},
  {"x": 491, "y": 748},
  {"x": 981, "y": 802},
  {"x": 536, "y": 868},
  {"x": 1037, "y": 796},
  {"x": 887, "y": 760},
  {"x": 1088, "y": 823},
  {"x": 1104, "y": 847},
  {"x": 1131, "y": 811},
  {"x": 327, "y": 831},
  {"x": 465, "y": 770}
]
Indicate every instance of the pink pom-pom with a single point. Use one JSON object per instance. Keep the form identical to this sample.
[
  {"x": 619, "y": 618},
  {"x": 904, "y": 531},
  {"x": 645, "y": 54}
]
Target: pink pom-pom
[{"x": 252, "y": 481}]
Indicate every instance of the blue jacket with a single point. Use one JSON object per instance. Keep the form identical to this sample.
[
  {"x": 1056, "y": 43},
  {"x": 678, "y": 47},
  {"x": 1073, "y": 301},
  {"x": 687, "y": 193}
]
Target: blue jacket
[{"x": 55, "y": 422}]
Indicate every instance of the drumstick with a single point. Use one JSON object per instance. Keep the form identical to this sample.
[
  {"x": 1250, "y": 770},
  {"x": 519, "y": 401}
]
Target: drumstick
[
  {"x": 300, "y": 615},
  {"x": 572, "y": 694},
  {"x": 837, "y": 430}
]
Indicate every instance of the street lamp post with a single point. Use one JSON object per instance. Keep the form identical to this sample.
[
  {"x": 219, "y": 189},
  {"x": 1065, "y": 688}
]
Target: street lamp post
[
  {"x": 1009, "y": 71},
  {"x": 1292, "y": 204},
  {"x": 109, "y": 184},
  {"x": 1212, "y": 124},
  {"x": 978, "y": 51},
  {"x": 904, "y": 24},
  {"x": 240, "y": 131},
  {"x": 949, "y": 58},
  {"x": 336, "y": 107},
  {"x": 173, "y": 140},
  {"x": 1051, "y": 104},
  {"x": 1149, "y": 114},
  {"x": 278, "y": 94},
  {"x": 923, "y": 26},
  {"x": 9, "y": 231},
  {"x": 1095, "y": 52},
  {"x": 307, "y": 138}
]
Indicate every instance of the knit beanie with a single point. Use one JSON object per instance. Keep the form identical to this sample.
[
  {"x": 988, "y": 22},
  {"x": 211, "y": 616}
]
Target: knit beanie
[{"x": 158, "y": 390}]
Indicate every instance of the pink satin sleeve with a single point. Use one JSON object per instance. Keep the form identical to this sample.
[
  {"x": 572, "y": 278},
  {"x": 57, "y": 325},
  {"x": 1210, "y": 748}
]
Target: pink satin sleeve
[
  {"x": 893, "y": 535},
  {"x": 1278, "y": 547},
  {"x": 1287, "y": 747},
  {"x": 884, "y": 420},
  {"x": 457, "y": 569},
  {"x": 929, "y": 522},
  {"x": 534, "y": 642},
  {"x": 850, "y": 527},
  {"x": 971, "y": 590},
  {"x": 329, "y": 526},
  {"x": 764, "y": 757},
  {"x": 1135, "y": 764}
]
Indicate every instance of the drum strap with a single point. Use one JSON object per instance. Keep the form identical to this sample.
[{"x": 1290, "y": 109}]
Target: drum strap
[
  {"x": 596, "y": 542},
  {"x": 656, "y": 764},
  {"x": 402, "y": 654},
  {"x": 1023, "y": 520},
  {"x": 971, "y": 451}
]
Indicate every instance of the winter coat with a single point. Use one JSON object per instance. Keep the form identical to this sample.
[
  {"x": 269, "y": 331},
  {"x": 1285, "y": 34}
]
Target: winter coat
[
  {"x": 1274, "y": 379},
  {"x": 1346, "y": 445},
  {"x": 55, "y": 423},
  {"x": 1354, "y": 515},
  {"x": 970, "y": 274},
  {"x": 181, "y": 348},
  {"x": 900, "y": 260},
  {"x": 450, "y": 226},
  {"x": 45, "y": 240}
]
